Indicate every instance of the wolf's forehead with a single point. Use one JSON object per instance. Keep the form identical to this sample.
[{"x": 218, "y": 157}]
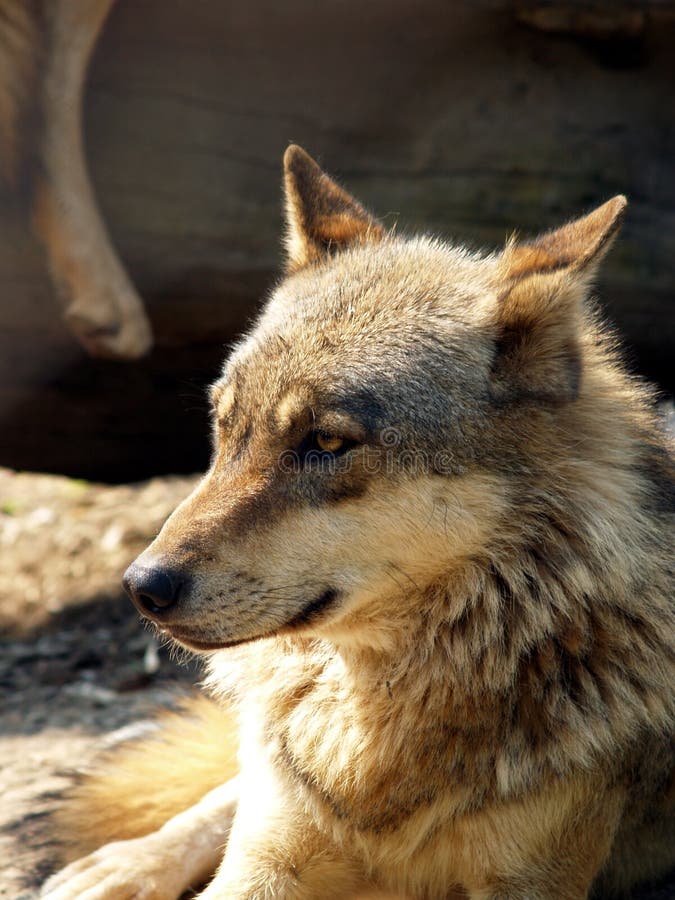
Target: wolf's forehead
[
  {"x": 297, "y": 368},
  {"x": 276, "y": 380},
  {"x": 397, "y": 283},
  {"x": 385, "y": 320}
]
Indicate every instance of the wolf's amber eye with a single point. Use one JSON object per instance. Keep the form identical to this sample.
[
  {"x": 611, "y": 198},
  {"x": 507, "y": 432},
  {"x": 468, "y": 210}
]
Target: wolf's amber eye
[
  {"x": 319, "y": 446},
  {"x": 329, "y": 443}
]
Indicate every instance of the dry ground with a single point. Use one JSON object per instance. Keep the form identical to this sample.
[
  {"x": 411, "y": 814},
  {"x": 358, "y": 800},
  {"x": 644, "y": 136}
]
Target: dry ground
[{"x": 76, "y": 665}]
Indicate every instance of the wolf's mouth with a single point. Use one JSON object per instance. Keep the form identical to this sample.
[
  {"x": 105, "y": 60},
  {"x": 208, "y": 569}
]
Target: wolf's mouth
[
  {"x": 307, "y": 615},
  {"x": 314, "y": 609}
]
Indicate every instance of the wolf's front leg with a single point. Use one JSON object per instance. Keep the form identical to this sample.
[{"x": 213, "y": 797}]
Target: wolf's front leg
[
  {"x": 184, "y": 853},
  {"x": 276, "y": 851},
  {"x": 299, "y": 869}
]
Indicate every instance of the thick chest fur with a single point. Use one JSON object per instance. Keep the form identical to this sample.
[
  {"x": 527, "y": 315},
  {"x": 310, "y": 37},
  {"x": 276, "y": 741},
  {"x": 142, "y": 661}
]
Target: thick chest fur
[
  {"x": 406, "y": 790},
  {"x": 368, "y": 764}
]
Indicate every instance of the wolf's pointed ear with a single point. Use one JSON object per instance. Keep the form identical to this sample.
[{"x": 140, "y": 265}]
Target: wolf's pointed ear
[
  {"x": 321, "y": 217},
  {"x": 577, "y": 246},
  {"x": 543, "y": 283}
]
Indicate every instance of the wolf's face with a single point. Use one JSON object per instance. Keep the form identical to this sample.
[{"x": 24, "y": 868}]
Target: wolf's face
[{"x": 355, "y": 454}]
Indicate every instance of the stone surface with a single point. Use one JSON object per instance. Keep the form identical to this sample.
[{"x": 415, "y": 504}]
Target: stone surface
[{"x": 455, "y": 118}]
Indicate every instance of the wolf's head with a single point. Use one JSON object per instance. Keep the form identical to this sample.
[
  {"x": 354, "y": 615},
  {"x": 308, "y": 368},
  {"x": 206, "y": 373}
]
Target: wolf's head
[{"x": 366, "y": 432}]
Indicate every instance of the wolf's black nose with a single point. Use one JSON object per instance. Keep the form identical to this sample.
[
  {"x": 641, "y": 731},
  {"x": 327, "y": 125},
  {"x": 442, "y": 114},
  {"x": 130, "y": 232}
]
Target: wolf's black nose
[{"x": 153, "y": 591}]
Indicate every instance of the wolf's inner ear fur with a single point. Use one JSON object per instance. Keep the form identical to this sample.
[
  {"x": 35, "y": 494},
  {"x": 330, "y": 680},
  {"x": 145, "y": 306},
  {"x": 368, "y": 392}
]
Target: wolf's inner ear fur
[
  {"x": 543, "y": 283},
  {"x": 321, "y": 217}
]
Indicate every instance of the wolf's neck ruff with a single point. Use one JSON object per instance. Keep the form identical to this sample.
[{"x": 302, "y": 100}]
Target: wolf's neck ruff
[
  {"x": 514, "y": 674},
  {"x": 547, "y": 654}
]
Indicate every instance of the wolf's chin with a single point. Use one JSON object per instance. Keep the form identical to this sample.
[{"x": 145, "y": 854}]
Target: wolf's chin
[{"x": 199, "y": 646}]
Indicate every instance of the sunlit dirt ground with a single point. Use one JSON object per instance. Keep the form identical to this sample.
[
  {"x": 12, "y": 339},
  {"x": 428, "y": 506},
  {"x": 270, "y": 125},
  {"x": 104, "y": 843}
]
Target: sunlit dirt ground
[{"x": 77, "y": 668}]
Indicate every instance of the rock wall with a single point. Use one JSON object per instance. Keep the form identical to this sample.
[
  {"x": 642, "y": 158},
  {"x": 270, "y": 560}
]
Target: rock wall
[{"x": 460, "y": 118}]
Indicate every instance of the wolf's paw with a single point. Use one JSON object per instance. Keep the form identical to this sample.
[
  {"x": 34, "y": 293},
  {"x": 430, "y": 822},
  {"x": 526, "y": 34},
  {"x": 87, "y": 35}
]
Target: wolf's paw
[{"x": 138, "y": 869}]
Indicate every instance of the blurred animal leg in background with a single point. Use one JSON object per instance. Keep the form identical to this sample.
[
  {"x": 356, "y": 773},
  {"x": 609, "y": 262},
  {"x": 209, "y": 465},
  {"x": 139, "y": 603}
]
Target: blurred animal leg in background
[{"x": 101, "y": 305}]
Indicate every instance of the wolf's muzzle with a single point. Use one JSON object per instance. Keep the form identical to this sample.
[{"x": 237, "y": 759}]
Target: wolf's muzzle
[{"x": 154, "y": 591}]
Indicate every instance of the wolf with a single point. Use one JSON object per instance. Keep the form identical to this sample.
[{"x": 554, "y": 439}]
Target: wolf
[{"x": 430, "y": 570}]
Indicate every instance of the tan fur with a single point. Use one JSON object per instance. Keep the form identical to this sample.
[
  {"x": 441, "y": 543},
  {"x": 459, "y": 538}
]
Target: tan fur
[
  {"x": 455, "y": 634},
  {"x": 143, "y": 803}
]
